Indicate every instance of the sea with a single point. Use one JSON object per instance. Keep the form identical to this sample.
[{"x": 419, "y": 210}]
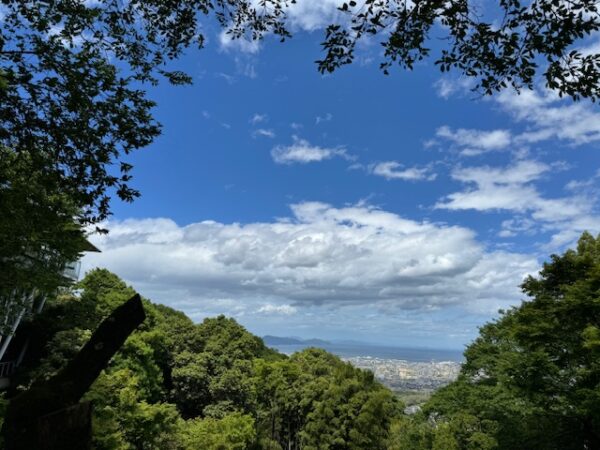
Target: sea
[{"x": 375, "y": 351}]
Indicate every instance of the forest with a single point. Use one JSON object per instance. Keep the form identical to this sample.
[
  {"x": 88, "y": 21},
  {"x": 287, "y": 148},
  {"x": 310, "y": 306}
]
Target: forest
[{"x": 529, "y": 381}]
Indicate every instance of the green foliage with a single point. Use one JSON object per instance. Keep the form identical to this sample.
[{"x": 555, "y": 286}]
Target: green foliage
[
  {"x": 531, "y": 380},
  {"x": 72, "y": 83},
  {"x": 509, "y": 46},
  {"x": 313, "y": 400},
  {"x": 176, "y": 385},
  {"x": 232, "y": 432},
  {"x": 37, "y": 233},
  {"x": 124, "y": 419},
  {"x": 73, "y": 105},
  {"x": 212, "y": 377}
]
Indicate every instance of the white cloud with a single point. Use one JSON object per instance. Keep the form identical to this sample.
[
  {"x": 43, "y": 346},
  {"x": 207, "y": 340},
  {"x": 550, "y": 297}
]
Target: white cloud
[
  {"x": 517, "y": 225},
  {"x": 512, "y": 189},
  {"x": 393, "y": 170},
  {"x": 230, "y": 79},
  {"x": 283, "y": 310},
  {"x": 302, "y": 152},
  {"x": 550, "y": 117},
  {"x": 319, "y": 255},
  {"x": 446, "y": 87},
  {"x": 258, "y": 118},
  {"x": 326, "y": 118},
  {"x": 545, "y": 115},
  {"x": 264, "y": 132},
  {"x": 474, "y": 142},
  {"x": 520, "y": 173}
]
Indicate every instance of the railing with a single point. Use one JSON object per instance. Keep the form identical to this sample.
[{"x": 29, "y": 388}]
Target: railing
[{"x": 7, "y": 369}]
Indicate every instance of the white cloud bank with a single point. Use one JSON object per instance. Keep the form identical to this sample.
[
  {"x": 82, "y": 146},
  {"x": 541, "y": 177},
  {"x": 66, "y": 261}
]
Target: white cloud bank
[
  {"x": 512, "y": 188},
  {"x": 322, "y": 255}
]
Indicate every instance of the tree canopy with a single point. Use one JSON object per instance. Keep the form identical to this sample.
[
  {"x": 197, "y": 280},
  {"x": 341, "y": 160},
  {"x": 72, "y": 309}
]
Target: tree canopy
[
  {"x": 531, "y": 380},
  {"x": 499, "y": 46},
  {"x": 178, "y": 385},
  {"x": 73, "y": 105},
  {"x": 72, "y": 77}
]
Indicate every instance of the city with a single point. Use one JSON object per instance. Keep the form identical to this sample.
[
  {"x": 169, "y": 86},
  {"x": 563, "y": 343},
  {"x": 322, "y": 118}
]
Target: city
[{"x": 402, "y": 375}]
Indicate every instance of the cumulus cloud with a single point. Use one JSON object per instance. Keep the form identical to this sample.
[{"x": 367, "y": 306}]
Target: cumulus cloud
[
  {"x": 512, "y": 188},
  {"x": 303, "y": 152},
  {"x": 475, "y": 142},
  {"x": 320, "y": 255},
  {"x": 550, "y": 117},
  {"x": 392, "y": 170}
]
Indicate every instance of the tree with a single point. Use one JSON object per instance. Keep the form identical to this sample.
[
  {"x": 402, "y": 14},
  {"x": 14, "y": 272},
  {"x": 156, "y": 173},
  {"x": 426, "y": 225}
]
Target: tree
[
  {"x": 38, "y": 236},
  {"x": 507, "y": 47},
  {"x": 177, "y": 385},
  {"x": 314, "y": 400},
  {"x": 532, "y": 378},
  {"x": 73, "y": 106},
  {"x": 232, "y": 432},
  {"x": 72, "y": 74}
]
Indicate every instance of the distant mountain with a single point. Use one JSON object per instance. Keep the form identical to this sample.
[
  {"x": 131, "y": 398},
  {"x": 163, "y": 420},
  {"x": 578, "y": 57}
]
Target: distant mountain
[{"x": 277, "y": 340}]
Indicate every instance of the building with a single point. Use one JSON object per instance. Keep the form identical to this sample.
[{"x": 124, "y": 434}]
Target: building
[{"x": 20, "y": 305}]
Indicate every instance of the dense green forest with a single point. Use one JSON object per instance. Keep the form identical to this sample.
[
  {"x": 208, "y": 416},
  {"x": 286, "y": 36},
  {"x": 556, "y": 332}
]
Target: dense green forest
[
  {"x": 177, "y": 385},
  {"x": 531, "y": 380}
]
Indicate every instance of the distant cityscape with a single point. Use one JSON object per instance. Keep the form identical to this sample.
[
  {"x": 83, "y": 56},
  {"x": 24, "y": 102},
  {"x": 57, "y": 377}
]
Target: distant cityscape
[
  {"x": 400, "y": 369},
  {"x": 402, "y": 375}
]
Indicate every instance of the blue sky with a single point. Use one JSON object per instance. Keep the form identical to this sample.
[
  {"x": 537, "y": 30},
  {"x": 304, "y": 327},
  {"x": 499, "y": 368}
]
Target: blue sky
[{"x": 399, "y": 209}]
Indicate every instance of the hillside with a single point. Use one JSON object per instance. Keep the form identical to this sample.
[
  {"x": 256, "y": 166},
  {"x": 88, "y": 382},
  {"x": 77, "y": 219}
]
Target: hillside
[{"x": 213, "y": 385}]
